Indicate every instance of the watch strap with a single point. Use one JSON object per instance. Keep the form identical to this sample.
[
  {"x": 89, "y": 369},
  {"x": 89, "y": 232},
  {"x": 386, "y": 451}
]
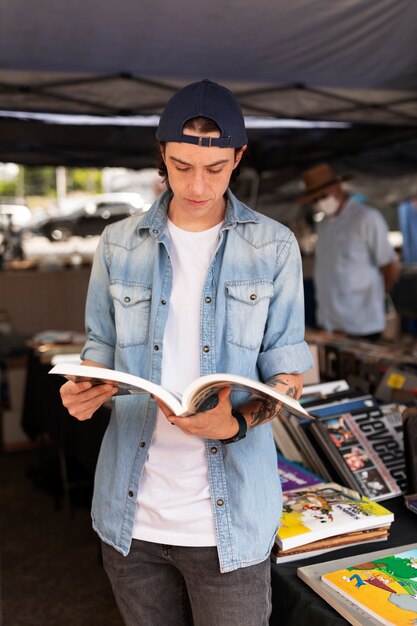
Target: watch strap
[{"x": 243, "y": 427}]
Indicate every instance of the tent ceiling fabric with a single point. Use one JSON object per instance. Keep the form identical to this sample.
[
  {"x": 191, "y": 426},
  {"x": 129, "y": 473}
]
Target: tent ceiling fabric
[
  {"x": 353, "y": 61},
  {"x": 361, "y": 44}
]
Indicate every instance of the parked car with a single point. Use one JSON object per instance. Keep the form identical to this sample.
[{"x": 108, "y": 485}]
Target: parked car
[
  {"x": 90, "y": 218},
  {"x": 14, "y": 216}
]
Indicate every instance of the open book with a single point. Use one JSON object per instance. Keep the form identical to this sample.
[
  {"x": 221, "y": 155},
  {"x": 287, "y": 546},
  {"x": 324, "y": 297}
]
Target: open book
[{"x": 195, "y": 395}]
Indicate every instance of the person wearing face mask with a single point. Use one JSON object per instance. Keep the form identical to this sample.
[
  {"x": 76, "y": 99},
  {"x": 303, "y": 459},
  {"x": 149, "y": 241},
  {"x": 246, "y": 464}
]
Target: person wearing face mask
[{"x": 355, "y": 264}]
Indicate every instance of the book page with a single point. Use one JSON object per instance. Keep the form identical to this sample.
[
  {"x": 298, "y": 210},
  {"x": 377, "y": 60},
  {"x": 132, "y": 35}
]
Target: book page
[
  {"x": 202, "y": 388},
  {"x": 196, "y": 393},
  {"x": 126, "y": 383}
]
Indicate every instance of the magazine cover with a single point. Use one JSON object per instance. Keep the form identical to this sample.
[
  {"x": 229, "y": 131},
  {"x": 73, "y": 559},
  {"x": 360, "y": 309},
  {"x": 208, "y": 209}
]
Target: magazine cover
[
  {"x": 385, "y": 587},
  {"x": 343, "y": 406},
  {"x": 367, "y": 449},
  {"x": 293, "y": 475},
  {"x": 382, "y": 432},
  {"x": 354, "y": 613},
  {"x": 325, "y": 511}
]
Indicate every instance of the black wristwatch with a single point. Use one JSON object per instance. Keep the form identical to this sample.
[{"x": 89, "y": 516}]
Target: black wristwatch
[{"x": 243, "y": 427}]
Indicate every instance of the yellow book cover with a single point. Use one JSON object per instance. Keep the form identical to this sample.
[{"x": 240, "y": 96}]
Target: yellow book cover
[
  {"x": 326, "y": 510},
  {"x": 385, "y": 587}
]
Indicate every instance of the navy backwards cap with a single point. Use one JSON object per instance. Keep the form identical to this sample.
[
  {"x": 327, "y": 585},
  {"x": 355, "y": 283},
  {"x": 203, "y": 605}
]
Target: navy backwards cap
[{"x": 204, "y": 99}]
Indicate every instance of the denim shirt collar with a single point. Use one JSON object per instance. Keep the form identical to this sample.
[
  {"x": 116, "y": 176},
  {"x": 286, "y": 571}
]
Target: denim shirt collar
[{"x": 156, "y": 218}]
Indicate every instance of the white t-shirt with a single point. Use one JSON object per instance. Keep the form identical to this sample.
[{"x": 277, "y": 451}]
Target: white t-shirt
[{"x": 173, "y": 504}]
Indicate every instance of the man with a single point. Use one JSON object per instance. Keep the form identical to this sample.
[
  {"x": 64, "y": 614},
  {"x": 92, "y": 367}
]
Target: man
[
  {"x": 187, "y": 507},
  {"x": 354, "y": 262}
]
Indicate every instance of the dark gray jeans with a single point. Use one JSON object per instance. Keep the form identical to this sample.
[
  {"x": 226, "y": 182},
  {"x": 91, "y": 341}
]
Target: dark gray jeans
[{"x": 160, "y": 585}]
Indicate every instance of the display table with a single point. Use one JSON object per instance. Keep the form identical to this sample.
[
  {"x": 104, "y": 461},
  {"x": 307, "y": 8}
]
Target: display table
[
  {"x": 44, "y": 418},
  {"x": 294, "y": 603}
]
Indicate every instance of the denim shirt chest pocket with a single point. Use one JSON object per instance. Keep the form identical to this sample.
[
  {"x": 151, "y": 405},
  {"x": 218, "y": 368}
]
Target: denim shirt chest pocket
[
  {"x": 132, "y": 308},
  {"x": 247, "y": 304}
]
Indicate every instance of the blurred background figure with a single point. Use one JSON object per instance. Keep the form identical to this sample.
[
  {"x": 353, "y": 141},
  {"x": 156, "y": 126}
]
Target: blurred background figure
[
  {"x": 10, "y": 239},
  {"x": 407, "y": 219},
  {"x": 355, "y": 265}
]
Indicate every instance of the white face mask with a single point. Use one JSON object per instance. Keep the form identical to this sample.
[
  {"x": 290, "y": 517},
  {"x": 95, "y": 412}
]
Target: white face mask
[{"x": 329, "y": 205}]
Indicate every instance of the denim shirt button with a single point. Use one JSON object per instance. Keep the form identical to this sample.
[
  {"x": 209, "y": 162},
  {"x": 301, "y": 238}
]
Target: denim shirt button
[
  {"x": 163, "y": 301},
  {"x": 156, "y": 348},
  {"x": 253, "y": 296},
  {"x": 126, "y": 299},
  {"x": 207, "y": 299},
  {"x": 213, "y": 450},
  {"x": 142, "y": 444},
  {"x": 155, "y": 231},
  {"x": 220, "y": 502},
  {"x": 130, "y": 494},
  {"x": 206, "y": 348}
]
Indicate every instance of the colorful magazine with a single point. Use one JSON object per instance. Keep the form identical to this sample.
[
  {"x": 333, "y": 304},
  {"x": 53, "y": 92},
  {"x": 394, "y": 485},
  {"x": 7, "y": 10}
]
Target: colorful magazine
[
  {"x": 294, "y": 476},
  {"x": 344, "y": 405},
  {"x": 385, "y": 587},
  {"x": 365, "y": 449},
  {"x": 324, "y": 511},
  {"x": 354, "y": 613}
]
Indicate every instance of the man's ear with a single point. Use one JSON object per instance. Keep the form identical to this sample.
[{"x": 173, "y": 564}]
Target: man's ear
[{"x": 238, "y": 156}]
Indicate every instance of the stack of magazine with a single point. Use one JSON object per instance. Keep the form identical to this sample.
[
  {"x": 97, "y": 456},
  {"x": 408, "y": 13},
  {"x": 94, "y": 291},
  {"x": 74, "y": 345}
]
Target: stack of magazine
[
  {"x": 324, "y": 517},
  {"x": 374, "y": 588}
]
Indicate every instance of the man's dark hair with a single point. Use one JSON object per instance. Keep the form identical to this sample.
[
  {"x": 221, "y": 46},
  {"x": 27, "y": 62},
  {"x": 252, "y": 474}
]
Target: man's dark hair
[{"x": 200, "y": 125}]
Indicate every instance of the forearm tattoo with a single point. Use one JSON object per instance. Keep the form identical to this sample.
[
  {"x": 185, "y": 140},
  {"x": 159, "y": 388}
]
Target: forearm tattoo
[
  {"x": 276, "y": 380},
  {"x": 266, "y": 411},
  {"x": 269, "y": 408}
]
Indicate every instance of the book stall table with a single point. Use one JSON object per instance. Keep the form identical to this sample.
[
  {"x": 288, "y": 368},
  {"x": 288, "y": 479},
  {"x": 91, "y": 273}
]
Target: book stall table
[
  {"x": 295, "y": 604},
  {"x": 46, "y": 420},
  {"x": 363, "y": 364}
]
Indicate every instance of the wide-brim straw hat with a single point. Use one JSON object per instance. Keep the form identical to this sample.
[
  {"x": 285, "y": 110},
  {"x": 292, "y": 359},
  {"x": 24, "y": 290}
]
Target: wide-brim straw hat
[{"x": 316, "y": 180}]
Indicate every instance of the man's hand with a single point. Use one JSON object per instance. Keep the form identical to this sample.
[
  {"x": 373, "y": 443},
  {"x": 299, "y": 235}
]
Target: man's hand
[
  {"x": 83, "y": 399},
  {"x": 218, "y": 423}
]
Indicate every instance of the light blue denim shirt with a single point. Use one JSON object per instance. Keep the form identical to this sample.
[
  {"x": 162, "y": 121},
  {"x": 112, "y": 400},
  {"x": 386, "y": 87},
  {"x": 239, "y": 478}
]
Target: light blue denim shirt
[{"x": 252, "y": 323}]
